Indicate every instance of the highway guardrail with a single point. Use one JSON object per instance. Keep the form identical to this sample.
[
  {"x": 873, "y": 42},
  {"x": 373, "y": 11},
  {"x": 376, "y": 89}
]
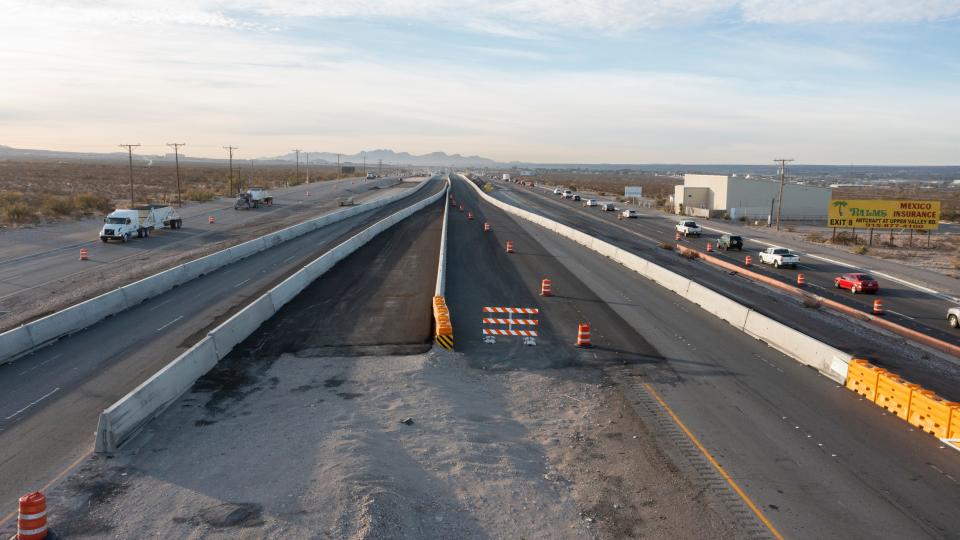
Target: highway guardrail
[
  {"x": 126, "y": 417},
  {"x": 29, "y": 337}
]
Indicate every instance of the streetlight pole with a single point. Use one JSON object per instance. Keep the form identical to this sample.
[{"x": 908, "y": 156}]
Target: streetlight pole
[
  {"x": 176, "y": 158},
  {"x": 130, "y": 148}
]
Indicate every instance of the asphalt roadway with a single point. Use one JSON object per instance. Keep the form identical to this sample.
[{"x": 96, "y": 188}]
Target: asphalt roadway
[
  {"x": 38, "y": 260},
  {"x": 51, "y": 399},
  {"x": 936, "y": 373},
  {"x": 816, "y": 461},
  {"x": 904, "y": 304}
]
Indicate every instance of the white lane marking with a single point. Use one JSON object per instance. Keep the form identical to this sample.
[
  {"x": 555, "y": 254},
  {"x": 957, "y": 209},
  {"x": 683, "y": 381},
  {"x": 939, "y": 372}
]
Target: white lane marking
[
  {"x": 156, "y": 307},
  {"x": 241, "y": 283},
  {"x": 43, "y": 397},
  {"x": 169, "y": 323},
  {"x": 900, "y": 314},
  {"x": 41, "y": 364},
  {"x": 290, "y": 258}
]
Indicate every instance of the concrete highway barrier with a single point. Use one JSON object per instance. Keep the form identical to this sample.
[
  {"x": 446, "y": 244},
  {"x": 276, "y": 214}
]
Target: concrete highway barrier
[
  {"x": 442, "y": 325},
  {"x": 442, "y": 266},
  {"x": 126, "y": 417},
  {"x": 829, "y": 361},
  {"x": 31, "y": 336}
]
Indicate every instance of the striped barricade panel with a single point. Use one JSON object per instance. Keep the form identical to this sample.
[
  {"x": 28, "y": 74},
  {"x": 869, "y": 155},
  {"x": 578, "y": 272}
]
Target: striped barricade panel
[
  {"x": 499, "y": 332},
  {"x": 519, "y": 310},
  {"x": 521, "y": 322}
]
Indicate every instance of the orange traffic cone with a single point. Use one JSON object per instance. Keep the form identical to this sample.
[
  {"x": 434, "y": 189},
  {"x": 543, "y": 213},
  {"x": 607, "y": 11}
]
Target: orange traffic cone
[
  {"x": 509, "y": 246},
  {"x": 470, "y": 216},
  {"x": 486, "y": 227},
  {"x": 583, "y": 335},
  {"x": 747, "y": 261},
  {"x": 801, "y": 280},
  {"x": 709, "y": 247},
  {"x": 878, "y": 307},
  {"x": 545, "y": 288}
]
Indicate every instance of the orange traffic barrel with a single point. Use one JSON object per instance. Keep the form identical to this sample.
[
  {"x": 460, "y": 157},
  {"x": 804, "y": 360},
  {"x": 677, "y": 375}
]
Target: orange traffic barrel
[
  {"x": 677, "y": 236},
  {"x": 470, "y": 215},
  {"x": 308, "y": 194},
  {"x": 878, "y": 307},
  {"x": 583, "y": 335},
  {"x": 211, "y": 220},
  {"x": 747, "y": 261},
  {"x": 486, "y": 227},
  {"x": 545, "y": 288},
  {"x": 509, "y": 246},
  {"x": 32, "y": 519},
  {"x": 801, "y": 280},
  {"x": 709, "y": 246},
  {"x": 461, "y": 208},
  {"x": 83, "y": 254}
]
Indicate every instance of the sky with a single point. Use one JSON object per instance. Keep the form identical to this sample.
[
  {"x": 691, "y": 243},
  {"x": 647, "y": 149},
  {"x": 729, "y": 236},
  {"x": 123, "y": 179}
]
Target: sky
[{"x": 549, "y": 81}]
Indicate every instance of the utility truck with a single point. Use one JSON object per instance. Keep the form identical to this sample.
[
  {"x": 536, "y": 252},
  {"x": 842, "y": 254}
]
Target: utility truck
[
  {"x": 125, "y": 223},
  {"x": 506, "y": 177},
  {"x": 254, "y": 197}
]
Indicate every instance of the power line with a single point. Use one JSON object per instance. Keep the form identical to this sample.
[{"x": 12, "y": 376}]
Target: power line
[
  {"x": 176, "y": 158},
  {"x": 783, "y": 173},
  {"x": 130, "y": 148},
  {"x": 231, "y": 149}
]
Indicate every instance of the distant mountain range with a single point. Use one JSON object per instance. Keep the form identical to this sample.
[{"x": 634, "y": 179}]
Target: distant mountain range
[{"x": 373, "y": 157}]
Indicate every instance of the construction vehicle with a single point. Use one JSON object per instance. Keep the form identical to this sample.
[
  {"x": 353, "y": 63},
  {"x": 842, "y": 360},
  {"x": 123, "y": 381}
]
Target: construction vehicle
[
  {"x": 254, "y": 197},
  {"x": 124, "y": 223}
]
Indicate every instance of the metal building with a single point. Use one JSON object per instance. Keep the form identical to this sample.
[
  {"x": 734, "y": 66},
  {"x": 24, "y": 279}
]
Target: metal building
[{"x": 710, "y": 195}]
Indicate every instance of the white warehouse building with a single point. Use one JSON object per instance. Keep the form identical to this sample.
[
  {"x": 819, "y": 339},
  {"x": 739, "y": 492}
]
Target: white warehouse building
[{"x": 711, "y": 195}]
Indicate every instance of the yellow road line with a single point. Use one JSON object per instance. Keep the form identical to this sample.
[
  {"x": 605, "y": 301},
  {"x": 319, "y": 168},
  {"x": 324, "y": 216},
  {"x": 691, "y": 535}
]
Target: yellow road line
[
  {"x": 55, "y": 479},
  {"x": 773, "y": 530}
]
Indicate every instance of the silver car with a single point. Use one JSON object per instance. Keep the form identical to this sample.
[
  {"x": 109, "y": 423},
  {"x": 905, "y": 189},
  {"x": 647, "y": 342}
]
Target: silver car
[{"x": 953, "y": 317}]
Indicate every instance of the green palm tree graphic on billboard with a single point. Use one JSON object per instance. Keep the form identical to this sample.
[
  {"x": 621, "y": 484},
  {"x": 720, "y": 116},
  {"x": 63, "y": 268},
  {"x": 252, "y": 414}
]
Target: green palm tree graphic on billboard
[{"x": 840, "y": 205}]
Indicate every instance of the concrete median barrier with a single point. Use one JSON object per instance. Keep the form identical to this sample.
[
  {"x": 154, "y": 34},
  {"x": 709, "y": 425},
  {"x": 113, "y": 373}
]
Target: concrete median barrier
[
  {"x": 442, "y": 263},
  {"x": 829, "y": 361},
  {"x": 45, "y": 330},
  {"x": 125, "y": 418},
  {"x": 718, "y": 305}
]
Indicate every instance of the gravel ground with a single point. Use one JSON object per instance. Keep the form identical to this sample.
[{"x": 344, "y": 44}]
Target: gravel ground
[{"x": 316, "y": 447}]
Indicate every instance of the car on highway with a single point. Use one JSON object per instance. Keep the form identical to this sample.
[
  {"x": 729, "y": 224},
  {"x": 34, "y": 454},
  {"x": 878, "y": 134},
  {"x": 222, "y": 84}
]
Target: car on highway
[
  {"x": 576, "y": 197},
  {"x": 953, "y": 317},
  {"x": 371, "y": 176},
  {"x": 557, "y": 191},
  {"x": 567, "y": 194},
  {"x": 590, "y": 202},
  {"x": 629, "y": 213},
  {"x": 608, "y": 207},
  {"x": 779, "y": 256},
  {"x": 730, "y": 241},
  {"x": 856, "y": 283},
  {"x": 688, "y": 227}
]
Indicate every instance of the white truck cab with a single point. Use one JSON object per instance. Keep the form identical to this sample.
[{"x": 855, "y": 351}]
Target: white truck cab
[{"x": 125, "y": 223}]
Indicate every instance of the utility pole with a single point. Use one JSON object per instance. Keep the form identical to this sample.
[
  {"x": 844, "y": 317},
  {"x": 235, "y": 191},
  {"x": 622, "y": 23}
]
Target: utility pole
[
  {"x": 783, "y": 174},
  {"x": 364, "y": 163},
  {"x": 297, "y": 151},
  {"x": 339, "y": 169},
  {"x": 380, "y": 167},
  {"x": 308, "y": 166},
  {"x": 176, "y": 158},
  {"x": 231, "y": 149},
  {"x": 130, "y": 148}
]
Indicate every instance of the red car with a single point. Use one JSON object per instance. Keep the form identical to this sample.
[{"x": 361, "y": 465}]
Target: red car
[{"x": 857, "y": 283}]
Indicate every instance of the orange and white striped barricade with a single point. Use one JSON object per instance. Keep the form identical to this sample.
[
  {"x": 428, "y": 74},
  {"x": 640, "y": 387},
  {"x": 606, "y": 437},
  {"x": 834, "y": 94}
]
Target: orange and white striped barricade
[
  {"x": 32, "y": 518},
  {"x": 546, "y": 287},
  {"x": 486, "y": 226},
  {"x": 583, "y": 335},
  {"x": 509, "y": 246},
  {"x": 510, "y": 316},
  {"x": 84, "y": 254}
]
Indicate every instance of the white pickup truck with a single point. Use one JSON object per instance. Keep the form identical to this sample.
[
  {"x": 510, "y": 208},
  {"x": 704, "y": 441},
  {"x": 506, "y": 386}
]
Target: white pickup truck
[
  {"x": 688, "y": 227},
  {"x": 779, "y": 256},
  {"x": 124, "y": 223}
]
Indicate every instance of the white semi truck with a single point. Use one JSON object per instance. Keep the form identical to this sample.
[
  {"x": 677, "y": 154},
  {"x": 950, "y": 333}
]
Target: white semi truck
[
  {"x": 125, "y": 223},
  {"x": 254, "y": 197}
]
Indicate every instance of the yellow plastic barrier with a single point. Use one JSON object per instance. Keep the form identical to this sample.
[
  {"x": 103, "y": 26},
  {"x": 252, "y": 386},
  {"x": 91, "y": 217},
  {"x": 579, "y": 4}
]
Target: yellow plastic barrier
[
  {"x": 954, "y": 431},
  {"x": 931, "y": 413},
  {"x": 862, "y": 377},
  {"x": 893, "y": 394},
  {"x": 444, "y": 328}
]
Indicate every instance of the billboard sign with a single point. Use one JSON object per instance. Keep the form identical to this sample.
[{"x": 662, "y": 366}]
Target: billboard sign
[
  {"x": 884, "y": 214},
  {"x": 633, "y": 191}
]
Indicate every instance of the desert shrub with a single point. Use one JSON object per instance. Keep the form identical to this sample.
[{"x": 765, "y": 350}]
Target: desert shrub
[
  {"x": 845, "y": 238},
  {"x": 956, "y": 263},
  {"x": 742, "y": 218},
  {"x": 199, "y": 195},
  {"x": 690, "y": 254},
  {"x": 790, "y": 228},
  {"x": 811, "y": 302},
  {"x": 665, "y": 245},
  {"x": 861, "y": 250},
  {"x": 57, "y": 206},
  {"x": 91, "y": 203},
  {"x": 815, "y": 237},
  {"x": 20, "y": 213}
]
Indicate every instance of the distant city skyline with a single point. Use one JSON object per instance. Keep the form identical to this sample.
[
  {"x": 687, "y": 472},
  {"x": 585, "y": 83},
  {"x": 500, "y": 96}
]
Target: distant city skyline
[{"x": 595, "y": 81}]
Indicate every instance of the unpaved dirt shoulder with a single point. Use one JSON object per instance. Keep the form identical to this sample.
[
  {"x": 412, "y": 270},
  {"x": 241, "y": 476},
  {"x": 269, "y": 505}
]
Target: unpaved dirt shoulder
[{"x": 315, "y": 447}]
